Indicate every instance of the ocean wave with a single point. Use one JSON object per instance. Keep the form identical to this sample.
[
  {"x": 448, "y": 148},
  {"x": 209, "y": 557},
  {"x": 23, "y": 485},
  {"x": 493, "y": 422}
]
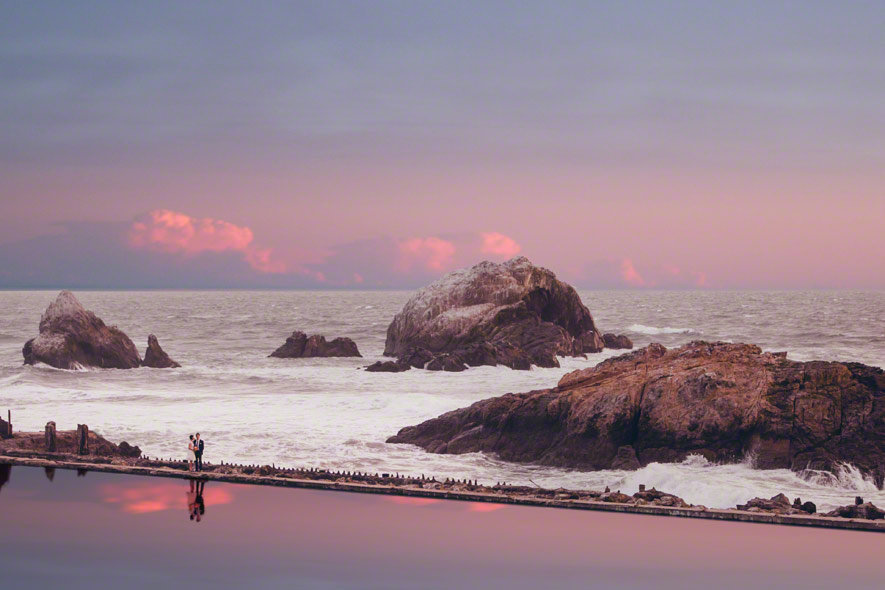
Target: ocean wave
[{"x": 653, "y": 330}]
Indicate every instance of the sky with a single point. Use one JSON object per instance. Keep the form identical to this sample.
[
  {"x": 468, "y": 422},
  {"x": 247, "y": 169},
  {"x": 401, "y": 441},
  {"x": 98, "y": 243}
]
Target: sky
[{"x": 643, "y": 145}]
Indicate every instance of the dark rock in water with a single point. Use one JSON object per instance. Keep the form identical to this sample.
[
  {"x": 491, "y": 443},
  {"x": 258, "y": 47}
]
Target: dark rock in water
[
  {"x": 128, "y": 450},
  {"x": 446, "y": 362},
  {"x": 659, "y": 498},
  {"x": 513, "y": 313},
  {"x": 299, "y": 345},
  {"x": 416, "y": 357},
  {"x": 719, "y": 400},
  {"x": 779, "y": 504},
  {"x": 868, "y": 511},
  {"x": 156, "y": 357},
  {"x": 626, "y": 459},
  {"x": 387, "y": 367},
  {"x": 616, "y": 341},
  {"x": 72, "y": 337}
]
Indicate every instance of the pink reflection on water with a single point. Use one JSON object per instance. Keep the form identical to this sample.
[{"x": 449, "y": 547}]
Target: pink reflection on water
[
  {"x": 484, "y": 507},
  {"x": 409, "y": 501},
  {"x": 138, "y": 498}
]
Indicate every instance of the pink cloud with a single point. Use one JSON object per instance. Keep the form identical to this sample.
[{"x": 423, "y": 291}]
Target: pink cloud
[
  {"x": 499, "y": 245},
  {"x": 630, "y": 275},
  {"x": 162, "y": 230},
  {"x": 430, "y": 253}
]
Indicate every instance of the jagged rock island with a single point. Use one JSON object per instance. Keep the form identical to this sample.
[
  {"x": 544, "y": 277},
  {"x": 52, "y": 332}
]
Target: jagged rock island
[
  {"x": 514, "y": 313},
  {"x": 72, "y": 337},
  {"x": 720, "y": 400},
  {"x": 299, "y": 345},
  {"x": 156, "y": 357}
]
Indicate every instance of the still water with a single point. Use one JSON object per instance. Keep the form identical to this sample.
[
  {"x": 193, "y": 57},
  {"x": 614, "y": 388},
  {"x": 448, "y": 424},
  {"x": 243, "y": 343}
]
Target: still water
[{"x": 95, "y": 530}]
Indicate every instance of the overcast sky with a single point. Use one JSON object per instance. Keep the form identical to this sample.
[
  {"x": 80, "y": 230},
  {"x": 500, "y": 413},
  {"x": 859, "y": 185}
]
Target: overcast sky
[{"x": 381, "y": 144}]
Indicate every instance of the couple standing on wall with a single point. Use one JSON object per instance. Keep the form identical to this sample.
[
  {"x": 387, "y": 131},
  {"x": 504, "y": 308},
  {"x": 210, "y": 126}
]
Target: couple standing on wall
[{"x": 195, "y": 453}]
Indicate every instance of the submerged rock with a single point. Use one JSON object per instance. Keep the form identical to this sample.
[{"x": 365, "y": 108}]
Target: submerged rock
[
  {"x": 514, "y": 313},
  {"x": 719, "y": 400},
  {"x": 72, "y": 337},
  {"x": 299, "y": 345},
  {"x": 156, "y": 357},
  {"x": 616, "y": 341},
  {"x": 388, "y": 367}
]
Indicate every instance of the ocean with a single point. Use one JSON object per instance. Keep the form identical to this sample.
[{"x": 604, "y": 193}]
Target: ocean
[{"x": 328, "y": 413}]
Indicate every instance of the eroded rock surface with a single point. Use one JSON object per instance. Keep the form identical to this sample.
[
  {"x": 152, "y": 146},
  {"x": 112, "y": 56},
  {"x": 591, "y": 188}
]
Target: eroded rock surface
[
  {"x": 616, "y": 341},
  {"x": 299, "y": 345},
  {"x": 156, "y": 357},
  {"x": 514, "y": 313},
  {"x": 72, "y": 337},
  {"x": 719, "y": 400}
]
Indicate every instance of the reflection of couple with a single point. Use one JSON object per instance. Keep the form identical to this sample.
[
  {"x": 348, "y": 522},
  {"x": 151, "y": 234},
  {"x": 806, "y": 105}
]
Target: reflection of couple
[
  {"x": 195, "y": 453},
  {"x": 196, "y": 507}
]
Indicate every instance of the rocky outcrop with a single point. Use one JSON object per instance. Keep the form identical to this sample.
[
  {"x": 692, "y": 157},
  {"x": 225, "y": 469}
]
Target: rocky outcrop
[
  {"x": 156, "y": 357},
  {"x": 388, "y": 367},
  {"x": 719, "y": 400},
  {"x": 866, "y": 510},
  {"x": 616, "y": 341},
  {"x": 299, "y": 345},
  {"x": 72, "y": 337},
  {"x": 68, "y": 442},
  {"x": 514, "y": 313}
]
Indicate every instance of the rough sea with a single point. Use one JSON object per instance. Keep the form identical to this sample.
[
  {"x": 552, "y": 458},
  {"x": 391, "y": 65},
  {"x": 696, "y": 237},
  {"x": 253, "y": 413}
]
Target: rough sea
[{"x": 327, "y": 413}]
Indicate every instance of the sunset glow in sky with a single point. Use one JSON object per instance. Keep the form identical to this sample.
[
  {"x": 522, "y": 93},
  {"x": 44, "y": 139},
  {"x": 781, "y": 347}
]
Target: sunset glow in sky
[{"x": 692, "y": 145}]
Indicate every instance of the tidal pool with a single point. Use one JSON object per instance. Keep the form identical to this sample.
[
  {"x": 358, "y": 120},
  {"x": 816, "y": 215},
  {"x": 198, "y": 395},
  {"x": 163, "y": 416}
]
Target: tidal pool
[{"x": 96, "y": 530}]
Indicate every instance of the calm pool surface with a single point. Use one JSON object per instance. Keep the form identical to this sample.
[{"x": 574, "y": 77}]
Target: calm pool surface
[{"x": 96, "y": 530}]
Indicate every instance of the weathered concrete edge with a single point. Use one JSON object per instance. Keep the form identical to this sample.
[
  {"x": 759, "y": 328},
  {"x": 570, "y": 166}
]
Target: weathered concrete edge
[{"x": 708, "y": 513}]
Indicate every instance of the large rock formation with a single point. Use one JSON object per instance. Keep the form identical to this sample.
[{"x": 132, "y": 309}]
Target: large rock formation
[
  {"x": 720, "y": 400},
  {"x": 299, "y": 345},
  {"x": 72, "y": 337},
  {"x": 514, "y": 313},
  {"x": 156, "y": 357}
]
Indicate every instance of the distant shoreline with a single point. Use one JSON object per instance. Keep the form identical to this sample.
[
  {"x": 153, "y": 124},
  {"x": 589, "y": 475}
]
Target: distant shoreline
[{"x": 336, "y": 483}]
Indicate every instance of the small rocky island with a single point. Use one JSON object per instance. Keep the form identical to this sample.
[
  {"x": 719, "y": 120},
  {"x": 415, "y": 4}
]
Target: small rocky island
[
  {"x": 72, "y": 337},
  {"x": 300, "y": 345},
  {"x": 719, "y": 400},
  {"x": 514, "y": 314}
]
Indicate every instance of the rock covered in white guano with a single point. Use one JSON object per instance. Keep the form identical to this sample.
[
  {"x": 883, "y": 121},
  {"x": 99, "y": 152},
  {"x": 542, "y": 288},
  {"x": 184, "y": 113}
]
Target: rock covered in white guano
[
  {"x": 512, "y": 313},
  {"x": 72, "y": 337}
]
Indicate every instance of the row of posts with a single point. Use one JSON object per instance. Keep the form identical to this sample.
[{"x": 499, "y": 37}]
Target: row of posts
[{"x": 82, "y": 439}]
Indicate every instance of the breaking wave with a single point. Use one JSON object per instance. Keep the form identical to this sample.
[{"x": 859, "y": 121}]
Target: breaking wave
[{"x": 653, "y": 330}]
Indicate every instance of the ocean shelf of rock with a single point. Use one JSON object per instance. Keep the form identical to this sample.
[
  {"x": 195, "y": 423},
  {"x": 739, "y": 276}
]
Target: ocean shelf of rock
[
  {"x": 720, "y": 400},
  {"x": 513, "y": 313},
  {"x": 300, "y": 345}
]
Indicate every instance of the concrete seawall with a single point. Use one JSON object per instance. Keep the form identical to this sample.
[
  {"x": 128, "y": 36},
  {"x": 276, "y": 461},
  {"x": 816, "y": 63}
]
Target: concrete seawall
[{"x": 336, "y": 482}]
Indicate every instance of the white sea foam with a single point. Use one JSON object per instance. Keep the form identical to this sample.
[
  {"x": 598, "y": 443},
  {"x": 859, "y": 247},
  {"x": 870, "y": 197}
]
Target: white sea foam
[{"x": 653, "y": 331}]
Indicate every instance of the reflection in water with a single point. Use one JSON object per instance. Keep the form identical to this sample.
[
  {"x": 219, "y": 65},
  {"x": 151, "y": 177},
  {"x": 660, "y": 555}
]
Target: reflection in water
[
  {"x": 130, "y": 534},
  {"x": 196, "y": 505},
  {"x": 5, "y": 470},
  {"x": 82, "y": 472},
  {"x": 141, "y": 497},
  {"x": 50, "y": 473}
]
